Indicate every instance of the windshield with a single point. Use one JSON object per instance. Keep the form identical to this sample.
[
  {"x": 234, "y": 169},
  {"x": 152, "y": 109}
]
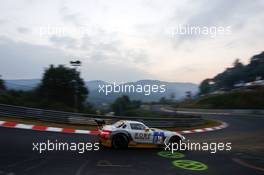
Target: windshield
[{"x": 118, "y": 124}]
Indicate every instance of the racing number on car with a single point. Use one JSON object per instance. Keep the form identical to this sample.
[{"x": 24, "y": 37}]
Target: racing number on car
[{"x": 158, "y": 137}]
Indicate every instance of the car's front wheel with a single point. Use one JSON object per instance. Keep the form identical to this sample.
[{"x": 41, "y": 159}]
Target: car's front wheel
[{"x": 119, "y": 141}]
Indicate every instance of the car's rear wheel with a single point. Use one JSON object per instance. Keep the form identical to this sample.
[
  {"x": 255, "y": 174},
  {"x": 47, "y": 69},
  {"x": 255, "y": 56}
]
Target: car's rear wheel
[
  {"x": 119, "y": 141},
  {"x": 175, "y": 141}
]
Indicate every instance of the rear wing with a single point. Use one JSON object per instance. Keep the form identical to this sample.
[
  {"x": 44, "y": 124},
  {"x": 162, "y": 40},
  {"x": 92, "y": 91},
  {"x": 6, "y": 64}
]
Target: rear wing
[{"x": 100, "y": 123}]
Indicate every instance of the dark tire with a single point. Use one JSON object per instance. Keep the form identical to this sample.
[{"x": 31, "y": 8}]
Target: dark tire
[
  {"x": 119, "y": 141},
  {"x": 175, "y": 140}
]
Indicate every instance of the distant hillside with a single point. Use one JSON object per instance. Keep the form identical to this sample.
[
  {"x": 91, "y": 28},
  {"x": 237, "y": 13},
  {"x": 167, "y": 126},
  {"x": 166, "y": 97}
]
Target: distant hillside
[
  {"x": 236, "y": 75},
  {"x": 239, "y": 99},
  {"x": 178, "y": 89},
  {"x": 22, "y": 84},
  {"x": 95, "y": 97}
]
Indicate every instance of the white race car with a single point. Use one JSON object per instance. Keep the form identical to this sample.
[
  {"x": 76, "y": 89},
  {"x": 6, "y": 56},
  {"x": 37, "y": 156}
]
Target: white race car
[{"x": 126, "y": 133}]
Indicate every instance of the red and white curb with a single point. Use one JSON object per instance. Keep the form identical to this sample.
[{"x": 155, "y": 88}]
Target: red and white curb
[
  {"x": 46, "y": 128},
  {"x": 92, "y": 132},
  {"x": 222, "y": 126}
]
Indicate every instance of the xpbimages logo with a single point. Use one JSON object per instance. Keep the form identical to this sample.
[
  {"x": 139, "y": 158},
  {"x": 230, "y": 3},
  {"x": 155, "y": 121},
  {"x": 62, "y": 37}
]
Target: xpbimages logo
[
  {"x": 212, "y": 147},
  {"x": 131, "y": 88},
  {"x": 49, "y": 145}
]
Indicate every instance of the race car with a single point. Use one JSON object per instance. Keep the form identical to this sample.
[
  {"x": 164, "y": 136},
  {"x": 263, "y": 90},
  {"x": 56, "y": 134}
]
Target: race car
[{"x": 127, "y": 133}]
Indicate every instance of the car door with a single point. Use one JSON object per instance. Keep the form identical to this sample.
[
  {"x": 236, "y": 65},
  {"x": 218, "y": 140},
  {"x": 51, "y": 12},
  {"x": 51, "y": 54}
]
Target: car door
[{"x": 140, "y": 134}]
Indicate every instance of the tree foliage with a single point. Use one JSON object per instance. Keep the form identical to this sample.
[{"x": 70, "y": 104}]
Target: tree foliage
[
  {"x": 63, "y": 85},
  {"x": 123, "y": 104},
  {"x": 2, "y": 85},
  {"x": 238, "y": 73},
  {"x": 205, "y": 86},
  {"x": 61, "y": 88}
]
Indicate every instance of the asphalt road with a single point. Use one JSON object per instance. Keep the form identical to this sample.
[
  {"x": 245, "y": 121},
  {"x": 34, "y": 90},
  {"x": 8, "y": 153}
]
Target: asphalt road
[{"x": 246, "y": 157}]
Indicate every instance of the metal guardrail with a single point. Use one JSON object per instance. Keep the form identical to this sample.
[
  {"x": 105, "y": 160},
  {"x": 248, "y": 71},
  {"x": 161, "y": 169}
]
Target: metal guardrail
[{"x": 89, "y": 119}]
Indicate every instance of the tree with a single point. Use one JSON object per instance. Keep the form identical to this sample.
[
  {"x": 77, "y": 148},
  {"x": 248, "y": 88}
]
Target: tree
[
  {"x": 120, "y": 105},
  {"x": 188, "y": 95},
  {"x": 64, "y": 86},
  {"x": 172, "y": 96},
  {"x": 123, "y": 105},
  {"x": 2, "y": 85},
  {"x": 256, "y": 67},
  {"x": 238, "y": 73},
  {"x": 237, "y": 64},
  {"x": 205, "y": 86},
  {"x": 163, "y": 100}
]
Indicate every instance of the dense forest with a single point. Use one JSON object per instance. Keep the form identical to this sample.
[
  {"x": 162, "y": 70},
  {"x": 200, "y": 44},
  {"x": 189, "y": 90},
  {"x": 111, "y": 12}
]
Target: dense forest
[
  {"x": 238, "y": 73},
  {"x": 230, "y": 90}
]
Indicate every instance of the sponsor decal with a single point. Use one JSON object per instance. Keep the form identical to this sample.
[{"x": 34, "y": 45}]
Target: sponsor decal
[{"x": 142, "y": 136}]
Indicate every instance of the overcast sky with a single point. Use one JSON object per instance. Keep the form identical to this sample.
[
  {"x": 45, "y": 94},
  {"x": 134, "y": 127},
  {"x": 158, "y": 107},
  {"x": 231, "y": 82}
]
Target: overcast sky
[{"x": 121, "y": 40}]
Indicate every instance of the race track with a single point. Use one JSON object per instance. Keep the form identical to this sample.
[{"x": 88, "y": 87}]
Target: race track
[{"x": 245, "y": 158}]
